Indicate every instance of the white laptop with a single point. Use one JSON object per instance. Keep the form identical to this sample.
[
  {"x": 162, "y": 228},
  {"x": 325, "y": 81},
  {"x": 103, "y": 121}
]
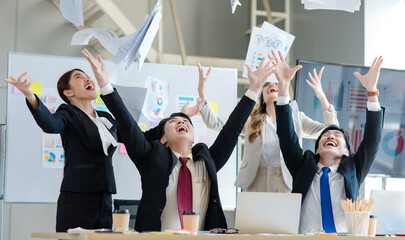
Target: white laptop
[
  {"x": 264, "y": 212},
  {"x": 389, "y": 208}
]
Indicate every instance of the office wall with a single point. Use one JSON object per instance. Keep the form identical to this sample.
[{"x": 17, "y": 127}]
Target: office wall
[
  {"x": 208, "y": 30},
  {"x": 327, "y": 36}
]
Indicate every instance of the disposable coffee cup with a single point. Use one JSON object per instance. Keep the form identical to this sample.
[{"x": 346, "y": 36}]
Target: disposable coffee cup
[
  {"x": 190, "y": 221},
  {"x": 120, "y": 220},
  {"x": 357, "y": 223}
]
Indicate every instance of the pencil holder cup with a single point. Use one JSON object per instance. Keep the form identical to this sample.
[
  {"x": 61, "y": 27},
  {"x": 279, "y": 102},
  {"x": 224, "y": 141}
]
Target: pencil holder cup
[{"x": 357, "y": 223}]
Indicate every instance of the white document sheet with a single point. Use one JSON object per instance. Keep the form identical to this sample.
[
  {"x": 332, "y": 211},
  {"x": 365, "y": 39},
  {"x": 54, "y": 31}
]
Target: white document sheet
[
  {"x": 345, "y": 5},
  {"x": 72, "y": 10},
  {"x": 138, "y": 44},
  {"x": 234, "y": 4},
  {"x": 107, "y": 38},
  {"x": 262, "y": 41}
]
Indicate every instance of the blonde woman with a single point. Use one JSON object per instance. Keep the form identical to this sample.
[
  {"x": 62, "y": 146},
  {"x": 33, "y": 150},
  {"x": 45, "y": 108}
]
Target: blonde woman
[{"x": 262, "y": 168}]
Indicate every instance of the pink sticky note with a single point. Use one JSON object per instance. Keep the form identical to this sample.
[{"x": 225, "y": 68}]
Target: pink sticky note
[
  {"x": 123, "y": 149},
  {"x": 16, "y": 91}
]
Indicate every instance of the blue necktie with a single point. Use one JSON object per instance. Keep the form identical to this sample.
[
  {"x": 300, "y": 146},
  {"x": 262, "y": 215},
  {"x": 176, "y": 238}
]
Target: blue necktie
[{"x": 326, "y": 203}]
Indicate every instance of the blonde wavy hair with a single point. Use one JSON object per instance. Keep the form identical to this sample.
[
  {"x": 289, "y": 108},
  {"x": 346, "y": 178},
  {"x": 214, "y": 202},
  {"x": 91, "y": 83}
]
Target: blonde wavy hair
[{"x": 258, "y": 116}]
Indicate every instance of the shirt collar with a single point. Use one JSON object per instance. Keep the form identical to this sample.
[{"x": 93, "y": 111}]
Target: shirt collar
[
  {"x": 178, "y": 155},
  {"x": 333, "y": 169}
]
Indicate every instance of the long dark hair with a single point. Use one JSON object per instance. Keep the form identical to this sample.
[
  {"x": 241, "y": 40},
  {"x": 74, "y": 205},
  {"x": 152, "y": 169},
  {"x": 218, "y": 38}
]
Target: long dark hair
[{"x": 63, "y": 84}]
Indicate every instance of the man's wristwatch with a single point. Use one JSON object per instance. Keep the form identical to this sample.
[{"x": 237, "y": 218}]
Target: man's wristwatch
[{"x": 371, "y": 94}]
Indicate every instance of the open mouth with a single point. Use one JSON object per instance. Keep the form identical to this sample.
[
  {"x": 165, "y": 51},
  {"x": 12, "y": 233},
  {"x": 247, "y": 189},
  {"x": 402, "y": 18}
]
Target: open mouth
[
  {"x": 330, "y": 144},
  {"x": 273, "y": 90},
  {"x": 89, "y": 86},
  {"x": 182, "y": 129}
]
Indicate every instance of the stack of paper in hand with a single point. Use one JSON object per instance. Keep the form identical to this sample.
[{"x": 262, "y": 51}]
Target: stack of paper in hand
[
  {"x": 262, "y": 41},
  {"x": 125, "y": 49},
  {"x": 345, "y": 5}
]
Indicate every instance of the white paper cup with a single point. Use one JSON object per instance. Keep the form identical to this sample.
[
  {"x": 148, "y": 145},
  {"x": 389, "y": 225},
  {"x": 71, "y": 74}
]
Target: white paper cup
[
  {"x": 120, "y": 220},
  {"x": 191, "y": 220},
  {"x": 357, "y": 223}
]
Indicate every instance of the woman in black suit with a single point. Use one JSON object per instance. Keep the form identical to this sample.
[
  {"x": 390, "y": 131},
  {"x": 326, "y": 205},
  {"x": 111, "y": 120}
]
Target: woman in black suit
[{"x": 89, "y": 140}]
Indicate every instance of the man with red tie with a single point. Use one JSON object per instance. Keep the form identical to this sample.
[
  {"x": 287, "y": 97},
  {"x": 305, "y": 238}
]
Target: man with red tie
[{"x": 177, "y": 176}]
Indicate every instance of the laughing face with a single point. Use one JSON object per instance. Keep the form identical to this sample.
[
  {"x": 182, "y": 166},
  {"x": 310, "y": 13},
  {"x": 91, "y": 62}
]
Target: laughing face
[
  {"x": 81, "y": 86},
  {"x": 332, "y": 144},
  {"x": 177, "y": 128},
  {"x": 270, "y": 92}
]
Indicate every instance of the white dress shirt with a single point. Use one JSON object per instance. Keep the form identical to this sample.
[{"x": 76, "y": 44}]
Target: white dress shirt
[
  {"x": 201, "y": 191},
  {"x": 311, "y": 213},
  {"x": 103, "y": 125},
  {"x": 271, "y": 146}
]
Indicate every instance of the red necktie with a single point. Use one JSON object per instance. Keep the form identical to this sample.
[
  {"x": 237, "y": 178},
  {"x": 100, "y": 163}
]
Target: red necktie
[{"x": 184, "y": 189}]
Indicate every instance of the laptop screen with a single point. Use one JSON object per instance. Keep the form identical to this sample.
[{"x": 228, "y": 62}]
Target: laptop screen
[
  {"x": 264, "y": 212},
  {"x": 389, "y": 209}
]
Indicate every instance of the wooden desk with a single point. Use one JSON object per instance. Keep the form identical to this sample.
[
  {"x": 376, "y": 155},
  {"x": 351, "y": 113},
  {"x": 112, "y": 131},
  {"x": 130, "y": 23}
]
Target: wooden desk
[{"x": 146, "y": 236}]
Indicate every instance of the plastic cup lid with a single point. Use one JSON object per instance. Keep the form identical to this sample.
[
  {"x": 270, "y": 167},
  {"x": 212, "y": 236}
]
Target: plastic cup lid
[
  {"x": 126, "y": 211},
  {"x": 190, "y": 213}
]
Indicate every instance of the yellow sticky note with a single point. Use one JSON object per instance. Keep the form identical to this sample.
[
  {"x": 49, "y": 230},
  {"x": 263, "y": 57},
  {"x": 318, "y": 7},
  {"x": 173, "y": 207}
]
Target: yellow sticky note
[
  {"x": 142, "y": 126},
  {"x": 36, "y": 88},
  {"x": 98, "y": 99},
  {"x": 214, "y": 107}
]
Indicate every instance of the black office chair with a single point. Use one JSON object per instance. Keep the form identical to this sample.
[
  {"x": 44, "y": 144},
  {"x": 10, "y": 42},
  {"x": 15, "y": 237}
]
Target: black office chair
[{"x": 131, "y": 205}]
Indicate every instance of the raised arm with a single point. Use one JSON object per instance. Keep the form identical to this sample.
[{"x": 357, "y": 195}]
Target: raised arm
[
  {"x": 289, "y": 142},
  {"x": 311, "y": 128},
  {"x": 131, "y": 135},
  {"x": 24, "y": 85},
  {"x": 48, "y": 122},
  {"x": 208, "y": 115},
  {"x": 367, "y": 151},
  {"x": 228, "y": 137}
]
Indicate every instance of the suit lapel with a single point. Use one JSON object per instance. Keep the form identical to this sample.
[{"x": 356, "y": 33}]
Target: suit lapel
[{"x": 90, "y": 130}]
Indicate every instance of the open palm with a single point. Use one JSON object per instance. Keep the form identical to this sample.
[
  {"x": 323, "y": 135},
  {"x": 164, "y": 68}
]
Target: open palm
[
  {"x": 284, "y": 73},
  {"x": 370, "y": 80}
]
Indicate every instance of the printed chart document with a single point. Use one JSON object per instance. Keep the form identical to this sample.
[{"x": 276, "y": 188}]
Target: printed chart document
[
  {"x": 345, "y": 5},
  {"x": 72, "y": 10},
  {"x": 107, "y": 38},
  {"x": 262, "y": 41},
  {"x": 137, "y": 45}
]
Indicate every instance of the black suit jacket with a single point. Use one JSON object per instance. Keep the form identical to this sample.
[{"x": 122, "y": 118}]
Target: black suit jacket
[
  {"x": 87, "y": 168},
  {"x": 155, "y": 162},
  {"x": 303, "y": 166}
]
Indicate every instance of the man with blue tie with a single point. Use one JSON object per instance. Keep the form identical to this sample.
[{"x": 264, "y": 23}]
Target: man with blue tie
[{"x": 333, "y": 173}]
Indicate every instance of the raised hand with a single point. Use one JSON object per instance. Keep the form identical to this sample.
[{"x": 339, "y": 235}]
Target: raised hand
[
  {"x": 191, "y": 111},
  {"x": 370, "y": 80},
  {"x": 202, "y": 80},
  {"x": 315, "y": 83},
  {"x": 284, "y": 73},
  {"x": 258, "y": 77},
  {"x": 98, "y": 67},
  {"x": 23, "y": 84}
]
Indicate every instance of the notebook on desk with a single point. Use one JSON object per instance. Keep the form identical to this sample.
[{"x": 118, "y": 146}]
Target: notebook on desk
[
  {"x": 263, "y": 212},
  {"x": 389, "y": 208}
]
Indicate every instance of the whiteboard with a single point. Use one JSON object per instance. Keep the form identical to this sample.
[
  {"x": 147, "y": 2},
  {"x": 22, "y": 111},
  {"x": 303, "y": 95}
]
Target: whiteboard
[{"x": 27, "y": 181}]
